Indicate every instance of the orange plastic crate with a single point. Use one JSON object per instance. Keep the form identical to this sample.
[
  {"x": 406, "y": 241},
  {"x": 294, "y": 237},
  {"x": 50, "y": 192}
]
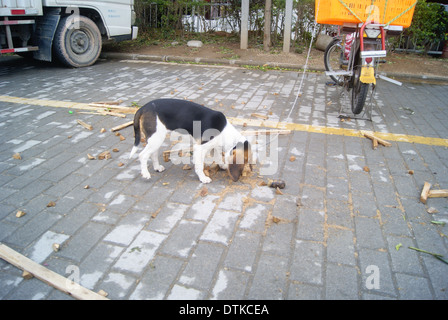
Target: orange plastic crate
[{"x": 334, "y": 12}]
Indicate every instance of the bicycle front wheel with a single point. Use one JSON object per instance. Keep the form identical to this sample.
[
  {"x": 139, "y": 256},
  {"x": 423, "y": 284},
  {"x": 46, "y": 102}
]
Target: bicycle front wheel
[{"x": 333, "y": 59}]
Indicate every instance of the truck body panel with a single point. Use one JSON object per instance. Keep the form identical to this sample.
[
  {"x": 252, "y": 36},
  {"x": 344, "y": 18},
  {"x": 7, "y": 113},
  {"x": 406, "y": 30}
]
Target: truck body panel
[{"x": 31, "y": 25}]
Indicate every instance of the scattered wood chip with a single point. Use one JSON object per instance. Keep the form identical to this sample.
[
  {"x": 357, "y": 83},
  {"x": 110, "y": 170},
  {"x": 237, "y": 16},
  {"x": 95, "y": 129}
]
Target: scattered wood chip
[
  {"x": 115, "y": 150},
  {"x": 17, "y": 156},
  {"x": 186, "y": 167},
  {"x": 102, "y": 130},
  {"x": 20, "y": 214},
  {"x": 292, "y": 158},
  {"x": 86, "y": 186},
  {"x": 366, "y": 169},
  {"x": 120, "y": 164},
  {"x": 262, "y": 183},
  {"x": 277, "y": 191},
  {"x": 104, "y": 155},
  {"x": 411, "y": 172},
  {"x": 27, "y": 275},
  {"x": 432, "y": 210},
  {"x": 122, "y": 138},
  {"x": 85, "y": 125},
  {"x": 51, "y": 204},
  {"x": 90, "y": 157},
  {"x": 204, "y": 192},
  {"x": 56, "y": 247},
  {"x": 275, "y": 219}
]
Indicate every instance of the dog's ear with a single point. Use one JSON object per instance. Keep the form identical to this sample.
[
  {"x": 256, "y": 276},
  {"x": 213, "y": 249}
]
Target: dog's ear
[{"x": 239, "y": 157}]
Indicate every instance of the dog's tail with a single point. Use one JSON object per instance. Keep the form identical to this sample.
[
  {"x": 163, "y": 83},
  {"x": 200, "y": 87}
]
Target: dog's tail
[{"x": 136, "y": 132}]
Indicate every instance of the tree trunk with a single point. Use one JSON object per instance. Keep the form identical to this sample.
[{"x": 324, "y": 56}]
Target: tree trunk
[{"x": 267, "y": 25}]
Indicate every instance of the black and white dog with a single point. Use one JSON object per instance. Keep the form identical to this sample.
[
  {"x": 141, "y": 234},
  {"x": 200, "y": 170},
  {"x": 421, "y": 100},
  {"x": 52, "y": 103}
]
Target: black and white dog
[{"x": 209, "y": 128}]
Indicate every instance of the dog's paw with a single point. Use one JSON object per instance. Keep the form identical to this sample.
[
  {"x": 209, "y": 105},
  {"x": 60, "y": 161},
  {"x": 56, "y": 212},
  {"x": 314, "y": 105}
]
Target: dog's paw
[
  {"x": 146, "y": 175},
  {"x": 205, "y": 180},
  {"x": 160, "y": 168}
]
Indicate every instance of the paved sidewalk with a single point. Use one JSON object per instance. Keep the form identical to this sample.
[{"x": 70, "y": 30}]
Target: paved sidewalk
[{"x": 340, "y": 229}]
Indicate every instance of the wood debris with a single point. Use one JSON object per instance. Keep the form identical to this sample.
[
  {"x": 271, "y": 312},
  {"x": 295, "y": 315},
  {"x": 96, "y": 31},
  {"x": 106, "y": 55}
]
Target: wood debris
[
  {"x": 17, "y": 156},
  {"x": 376, "y": 140},
  {"x": 53, "y": 279},
  {"x": 428, "y": 193},
  {"x": 260, "y": 116},
  {"x": 20, "y": 214},
  {"x": 104, "y": 155},
  {"x": 204, "y": 192},
  {"x": 51, "y": 204},
  {"x": 265, "y": 132},
  {"x": 56, "y": 247},
  {"x": 103, "y": 293},
  {"x": 85, "y": 125},
  {"x": 27, "y": 275},
  {"x": 122, "y": 126}
]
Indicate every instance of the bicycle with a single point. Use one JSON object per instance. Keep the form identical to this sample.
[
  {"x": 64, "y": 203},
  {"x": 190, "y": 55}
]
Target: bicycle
[{"x": 354, "y": 64}]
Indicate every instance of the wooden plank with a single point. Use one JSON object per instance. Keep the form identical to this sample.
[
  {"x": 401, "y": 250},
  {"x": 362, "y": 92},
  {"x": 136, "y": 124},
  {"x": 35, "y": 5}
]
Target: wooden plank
[
  {"x": 425, "y": 192},
  {"x": 52, "y": 278}
]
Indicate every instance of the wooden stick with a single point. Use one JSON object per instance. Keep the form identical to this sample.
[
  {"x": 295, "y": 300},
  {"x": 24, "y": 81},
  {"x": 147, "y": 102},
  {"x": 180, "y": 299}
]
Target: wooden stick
[
  {"x": 438, "y": 193},
  {"x": 379, "y": 140},
  {"x": 425, "y": 192},
  {"x": 85, "y": 125},
  {"x": 52, "y": 278},
  {"x": 266, "y": 132},
  {"x": 108, "y": 102},
  {"x": 122, "y": 126},
  {"x": 109, "y": 113},
  {"x": 261, "y": 116}
]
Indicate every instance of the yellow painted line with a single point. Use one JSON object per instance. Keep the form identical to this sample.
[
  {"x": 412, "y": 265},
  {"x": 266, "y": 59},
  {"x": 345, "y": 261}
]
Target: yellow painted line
[
  {"x": 254, "y": 123},
  {"x": 340, "y": 131},
  {"x": 59, "y": 104}
]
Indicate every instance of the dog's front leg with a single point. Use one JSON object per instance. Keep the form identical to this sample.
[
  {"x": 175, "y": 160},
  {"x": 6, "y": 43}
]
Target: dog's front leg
[{"x": 198, "y": 158}]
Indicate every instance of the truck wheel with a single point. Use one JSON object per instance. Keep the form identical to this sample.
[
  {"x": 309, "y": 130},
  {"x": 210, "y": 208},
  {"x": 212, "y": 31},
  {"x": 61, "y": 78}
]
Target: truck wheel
[{"x": 77, "y": 42}]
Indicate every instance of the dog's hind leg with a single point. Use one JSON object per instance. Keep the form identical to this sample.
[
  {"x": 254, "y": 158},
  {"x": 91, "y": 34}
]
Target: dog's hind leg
[{"x": 151, "y": 151}]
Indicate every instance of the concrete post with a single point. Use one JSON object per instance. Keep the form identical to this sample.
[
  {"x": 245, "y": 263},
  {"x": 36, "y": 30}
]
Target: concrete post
[
  {"x": 244, "y": 23},
  {"x": 288, "y": 22}
]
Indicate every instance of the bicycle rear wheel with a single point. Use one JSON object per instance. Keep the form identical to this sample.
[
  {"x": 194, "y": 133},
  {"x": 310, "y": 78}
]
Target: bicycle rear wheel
[
  {"x": 359, "y": 90},
  {"x": 333, "y": 59}
]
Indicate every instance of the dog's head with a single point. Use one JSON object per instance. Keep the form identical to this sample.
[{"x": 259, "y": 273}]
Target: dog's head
[{"x": 238, "y": 158}]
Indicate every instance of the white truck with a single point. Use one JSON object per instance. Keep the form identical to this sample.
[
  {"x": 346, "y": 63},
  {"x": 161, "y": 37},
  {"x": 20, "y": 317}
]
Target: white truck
[{"x": 71, "y": 31}]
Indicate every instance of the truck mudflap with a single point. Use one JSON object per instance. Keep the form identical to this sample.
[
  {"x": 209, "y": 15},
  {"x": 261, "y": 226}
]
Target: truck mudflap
[{"x": 43, "y": 37}]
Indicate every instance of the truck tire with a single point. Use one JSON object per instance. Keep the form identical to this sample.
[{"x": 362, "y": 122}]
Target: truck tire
[{"x": 77, "y": 41}]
